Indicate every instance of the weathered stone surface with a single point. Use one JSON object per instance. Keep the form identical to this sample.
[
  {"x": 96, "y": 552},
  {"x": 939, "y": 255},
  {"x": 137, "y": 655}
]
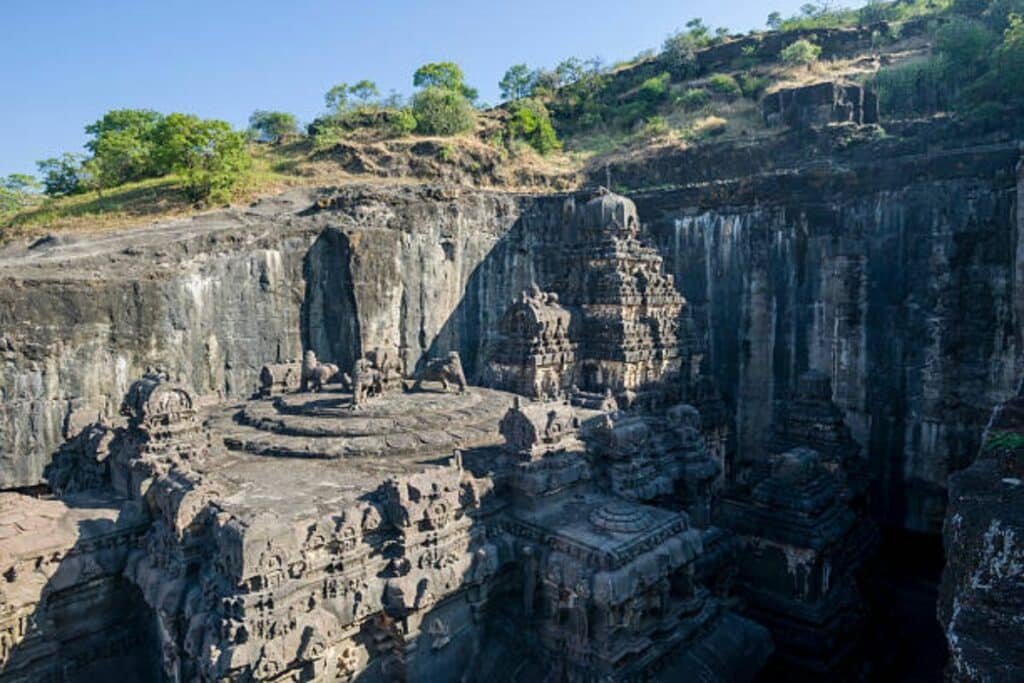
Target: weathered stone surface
[
  {"x": 820, "y": 104},
  {"x": 65, "y": 611},
  {"x": 296, "y": 536},
  {"x": 906, "y": 298},
  {"x": 982, "y": 595},
  {"x": 796, "y": 572}
]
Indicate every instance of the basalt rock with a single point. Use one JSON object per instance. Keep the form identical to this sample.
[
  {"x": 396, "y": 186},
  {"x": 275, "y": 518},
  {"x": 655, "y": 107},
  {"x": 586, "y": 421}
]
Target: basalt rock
[
  {"x": 982, "y": 595},
  {"x": 802, "y": 545},
  {"x": 395, "y": 562},
  {"x": 820, "y": 104}
]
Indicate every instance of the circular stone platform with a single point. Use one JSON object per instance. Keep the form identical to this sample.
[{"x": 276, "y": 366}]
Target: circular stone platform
[
  {"x": 325, "y": 425},
  {"x": 620, "y": 517}
]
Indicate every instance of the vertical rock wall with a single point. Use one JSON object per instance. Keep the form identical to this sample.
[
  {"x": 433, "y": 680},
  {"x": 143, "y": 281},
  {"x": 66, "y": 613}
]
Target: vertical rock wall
[
  {"x": 73, "y": 336},
  {"x": 907, "y": 295}
]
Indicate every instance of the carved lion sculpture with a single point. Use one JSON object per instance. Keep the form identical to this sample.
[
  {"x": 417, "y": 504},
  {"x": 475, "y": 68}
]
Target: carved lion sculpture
[
  {"x": 447, "y": 371},
  {"x": 316, "y": 374},
  {"x": 365, "y": 381}
]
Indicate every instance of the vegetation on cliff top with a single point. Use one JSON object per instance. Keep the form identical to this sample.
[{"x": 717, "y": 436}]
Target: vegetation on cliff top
[{"x": 703, "y": 84}]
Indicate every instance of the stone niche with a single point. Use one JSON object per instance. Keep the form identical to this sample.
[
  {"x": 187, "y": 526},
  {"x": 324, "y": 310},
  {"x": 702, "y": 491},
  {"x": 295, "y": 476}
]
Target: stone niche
[{"x": 820, "y": 104}]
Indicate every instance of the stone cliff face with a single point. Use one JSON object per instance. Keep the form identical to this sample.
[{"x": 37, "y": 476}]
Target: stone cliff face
[
  {"x": 210, "y": 301},
  {"x": 892, "y": 268},
  {"x": 897, "y": 279},
  {"x": 982, "y": 589}
]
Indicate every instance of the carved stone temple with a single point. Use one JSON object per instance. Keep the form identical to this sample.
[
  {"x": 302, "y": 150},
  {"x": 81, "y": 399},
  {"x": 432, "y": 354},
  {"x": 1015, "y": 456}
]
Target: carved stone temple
[{"x": 574, "y": 519}]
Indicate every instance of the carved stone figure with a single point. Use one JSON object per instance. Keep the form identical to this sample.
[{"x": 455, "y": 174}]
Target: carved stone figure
[
  {"x": 315, "y": 374},
  {"x": 447, "y": 371},
  {"x": 280, "y": 378}
]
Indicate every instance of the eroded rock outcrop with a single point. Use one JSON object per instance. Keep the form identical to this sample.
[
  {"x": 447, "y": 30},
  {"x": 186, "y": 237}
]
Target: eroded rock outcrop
[{"x": 982, "y": 596}]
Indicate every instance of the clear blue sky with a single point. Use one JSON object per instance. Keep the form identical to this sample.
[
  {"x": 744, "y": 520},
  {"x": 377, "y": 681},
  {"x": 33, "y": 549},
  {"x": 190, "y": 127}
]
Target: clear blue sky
[{"x": 68, "y": 61}]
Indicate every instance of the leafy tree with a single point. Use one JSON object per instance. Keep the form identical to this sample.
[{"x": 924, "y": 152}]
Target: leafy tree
[
  {"x": 138, "y": 122},
  {"x": 122, "y": 146},
  {"x": 679, "y": 54},
  {"x": 61, "y": 175},
  {"x": 273, "y": 126},
  {"x": 877, "y": 10},
  {"x": 774, "y": 21},
  {"x": 700, "y": 31},
  {"x": 530, "y": 121},
  {"x": 446, "y": 75},
  {"x": 594, "y": 65},
  {"x": 17, "y": 191},
  {"x": 1004, "y": 80},
  {"x": 403, "y": 123},
  {"x": 442, "y": 111},
  {"x": 364, "y": 91},
  {"x": 518, "y": 82},
  {"x": 336, "y": 98},
  {"x": 801, "y": 52},
  {"x": 970, "y": 7},
  {"x": 210, "y": 157},
  {"x": 546, "y": 82},
  {"x": 654, "y": 90},
  {"x": 569, "y": 71},
  {"x": 965, "y": 46}
]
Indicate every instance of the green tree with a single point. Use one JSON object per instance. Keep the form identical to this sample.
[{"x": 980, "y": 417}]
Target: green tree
[
  {"x": 61, "y": 175},
  {"x": 17, "y": 191},
  {"x": 1009, "y": 57},
  {"x": 364, "y": 91},
  {"x": 518, "y": 82},
  {"x": 122, "y": 146},
  {"x": 569, "y": 71},
  {"x": 654, "y": 90},
  {"x": 442, "y": 111},
  {"x": 210, "y": 157},
  {"x": 446, "y": 75},
  {"x": 965, "y": 46},
  {"x": 336, "y": 98},
  {"x": 801, "y": 52},
  {"x": 679, "y": 54},
  {"x": 700, "y": 31},
  {"x": 273, "y": 126},
  {"x": 877, "y": 10},
  {"x": 531, "y": 122},
  {"x": 774, "y": 21}
]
